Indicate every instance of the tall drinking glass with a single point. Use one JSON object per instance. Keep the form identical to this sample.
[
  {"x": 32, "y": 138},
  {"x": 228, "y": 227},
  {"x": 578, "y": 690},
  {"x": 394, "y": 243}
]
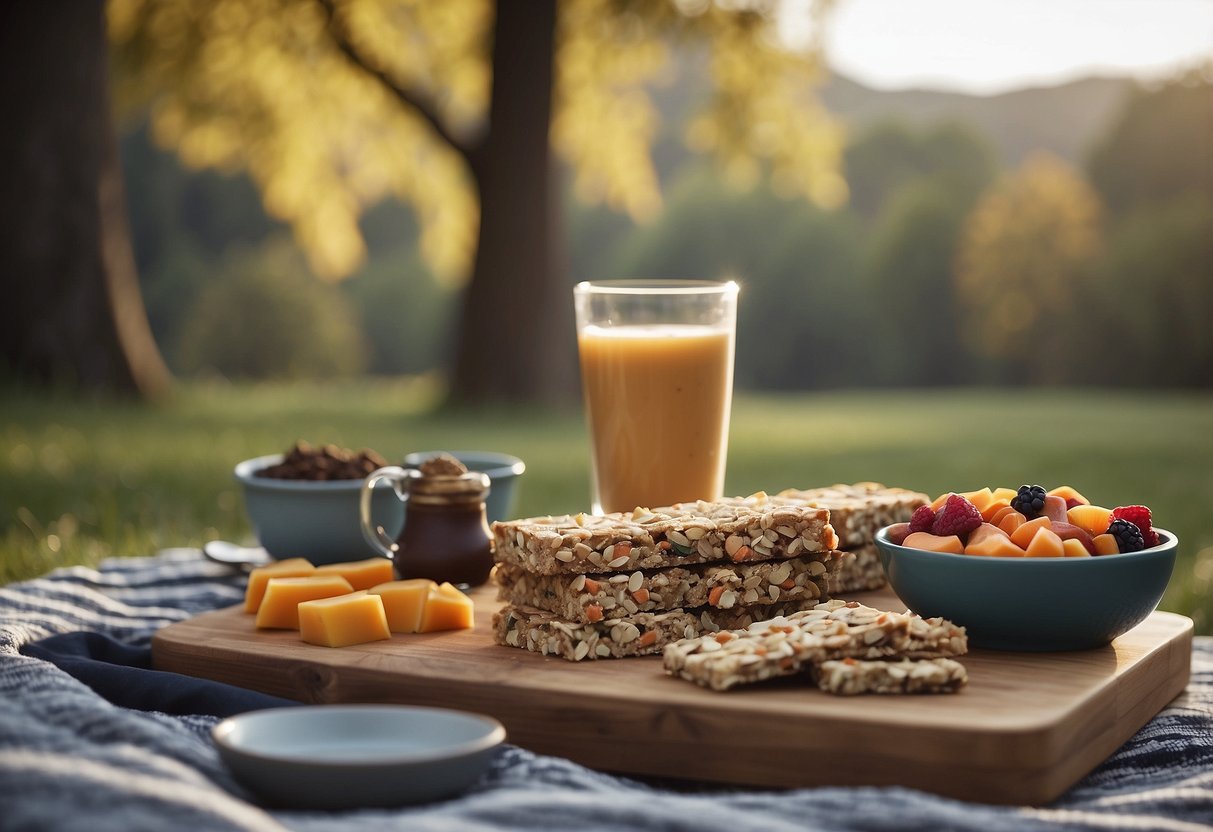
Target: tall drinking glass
[{"x": 657, "y": 373}]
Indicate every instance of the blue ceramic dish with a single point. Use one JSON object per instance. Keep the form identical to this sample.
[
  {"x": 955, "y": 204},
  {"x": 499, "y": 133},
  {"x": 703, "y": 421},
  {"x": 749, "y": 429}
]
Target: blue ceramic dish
[
  {"x": 1035, "y": 604},
  {"x": 319, "y": 520}
]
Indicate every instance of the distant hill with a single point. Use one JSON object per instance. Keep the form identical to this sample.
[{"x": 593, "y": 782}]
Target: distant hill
[{"x": 1064, "y": 119}]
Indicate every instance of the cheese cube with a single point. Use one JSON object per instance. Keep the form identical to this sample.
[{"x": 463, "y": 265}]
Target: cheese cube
[
  {"x": 362, "y": 574},
  {"x": 343, "y": 620},
  {"x": 280, "y": 607},
  {"x": 446, "y": 608},
  {"x": 404, "y": 602},
  {"x": 290, "y": 568}
]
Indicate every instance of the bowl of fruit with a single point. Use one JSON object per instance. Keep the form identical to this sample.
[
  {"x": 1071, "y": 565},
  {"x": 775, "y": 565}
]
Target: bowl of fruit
[{"x": 1030, "y": 568}]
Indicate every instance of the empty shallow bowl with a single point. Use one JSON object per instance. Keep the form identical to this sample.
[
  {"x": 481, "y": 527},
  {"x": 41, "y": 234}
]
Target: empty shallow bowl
[
  {"x": 1032, "y": 603},
  {"x": 355, "y": 756}
]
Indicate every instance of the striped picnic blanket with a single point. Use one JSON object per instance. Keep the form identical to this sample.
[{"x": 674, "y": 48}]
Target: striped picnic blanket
[{"x": 70, "y": 759}]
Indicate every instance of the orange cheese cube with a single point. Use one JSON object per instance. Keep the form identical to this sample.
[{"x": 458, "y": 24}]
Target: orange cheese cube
[
  {"x": 257, "y": 579},
  {"x": 1045, "y": 544},
  {"x": 934, "y": 543},
  {"x": 404, "y": 602},
  {"x": 1075, "y": 549},
  {"x": 1105, "y": 544},
  {"x": 280, "y": 607},
  {"x": 994, "y": 546},
  {"x": 1022, "y": 536},
  {"x": 362, "y": 574},
  {"x": 446, "y": 608},
  {"x": 343, "y": 620}
]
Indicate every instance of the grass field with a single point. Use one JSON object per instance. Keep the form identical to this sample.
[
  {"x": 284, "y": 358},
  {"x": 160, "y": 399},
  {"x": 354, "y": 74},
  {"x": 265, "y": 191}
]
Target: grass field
[{"x": 80, "y": 481}]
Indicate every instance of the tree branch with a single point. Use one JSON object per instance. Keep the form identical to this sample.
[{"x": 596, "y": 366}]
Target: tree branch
[{"x": 412, "y": 99}]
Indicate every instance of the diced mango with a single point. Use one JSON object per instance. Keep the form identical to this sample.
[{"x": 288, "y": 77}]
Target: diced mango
[
  {"x": 1007, "y": 494},
  {"x": 447, "y": 608},
  {"x": 280, "y": 606},
  {"x": 1068, "y": 493},
  {"x": 1105, "y": 544},
  {"x": 343, "y": 620},
  {"x": 1092, "y": 519},
  {"x": 404, "y": 602},
  {"x": 257, "y": 579},
  {"x": 362, "y": 574},
  {"x": 935, "y": 543},
  {"x": 995, "y": 508},
  {"x": 1045, "y": 544},
  {"x": 1075, "y": 549},
  {"x": 994, "y": 546},
  {"x": 1023, "y": 535},
  {"x": 979, "y": 498}
]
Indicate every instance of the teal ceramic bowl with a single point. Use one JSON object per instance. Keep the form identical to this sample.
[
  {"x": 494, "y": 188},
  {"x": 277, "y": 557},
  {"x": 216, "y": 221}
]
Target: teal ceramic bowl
[
  {"x": 319, "y": 520},
  {"x": 1035, "y": 604}
]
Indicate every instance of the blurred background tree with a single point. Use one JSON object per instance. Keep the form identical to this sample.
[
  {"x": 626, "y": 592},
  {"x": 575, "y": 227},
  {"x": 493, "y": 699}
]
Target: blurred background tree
[{"x": 455, "y": 108}]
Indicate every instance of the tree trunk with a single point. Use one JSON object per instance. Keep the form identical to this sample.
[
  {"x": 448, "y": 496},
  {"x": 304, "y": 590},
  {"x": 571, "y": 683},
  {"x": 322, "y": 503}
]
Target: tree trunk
[
  {"x": 72, "y": 312},
  {"x": 516, "y": 340}
]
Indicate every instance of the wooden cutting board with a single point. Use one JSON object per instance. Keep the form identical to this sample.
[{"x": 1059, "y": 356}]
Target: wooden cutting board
[{"x": 1026, "y": 728}]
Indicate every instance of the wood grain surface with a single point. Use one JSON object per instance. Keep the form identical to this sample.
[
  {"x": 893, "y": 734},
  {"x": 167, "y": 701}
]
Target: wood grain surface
[{"x": 1027, "y": 726}]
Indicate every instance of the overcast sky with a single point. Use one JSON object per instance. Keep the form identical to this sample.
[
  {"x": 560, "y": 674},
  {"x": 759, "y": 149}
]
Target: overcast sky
[{"x": 988, "y": 46}]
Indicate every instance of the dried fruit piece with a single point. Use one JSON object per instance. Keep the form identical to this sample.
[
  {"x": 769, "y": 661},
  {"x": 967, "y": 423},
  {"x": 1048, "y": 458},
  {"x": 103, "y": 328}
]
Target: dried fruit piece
[
  {"x": 958, "y": 517},
  {"x": 922, "y": 519},
  {"x": 1030, "y": 500},
  {"x": 1139, "y": 516}
]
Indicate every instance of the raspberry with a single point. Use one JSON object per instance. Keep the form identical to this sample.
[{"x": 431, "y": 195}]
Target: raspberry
[
  {"x": 1139, "y": 516},
  {"x": 958, "y": 516},
  {"x": 1030, "y": 501},
  {"x": 1128, "y": 537},
  {"x": 922, "y": 520}
]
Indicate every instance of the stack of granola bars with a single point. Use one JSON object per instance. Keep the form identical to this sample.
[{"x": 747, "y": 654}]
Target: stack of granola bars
[
  {"x": 628, "y": 584},
  {"x": 847, "y": 648},
  {"x": 857, "y": 512}
]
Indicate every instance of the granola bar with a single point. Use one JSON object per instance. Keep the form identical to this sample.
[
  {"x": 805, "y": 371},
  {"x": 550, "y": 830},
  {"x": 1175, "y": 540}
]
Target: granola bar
[
  {"x": 703, "y": 532},
  {"x": 586, "y": 599},
  {"x": 848, "y": 677},
  {"x": 858, "y": 511},
  {"x": 859, "y": 571},
  {"x": 642, "y": 634},
  {"x": 787, "y": 645}
]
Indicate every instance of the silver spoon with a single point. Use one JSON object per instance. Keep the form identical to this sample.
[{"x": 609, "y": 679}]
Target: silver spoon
[{"x": 233, "y": 554}]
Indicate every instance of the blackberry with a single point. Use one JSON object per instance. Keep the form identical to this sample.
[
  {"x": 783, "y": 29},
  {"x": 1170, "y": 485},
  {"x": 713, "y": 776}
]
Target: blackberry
[
  {"x": 1030, "y": 501},
  {"x": 1128, "y": 537}
]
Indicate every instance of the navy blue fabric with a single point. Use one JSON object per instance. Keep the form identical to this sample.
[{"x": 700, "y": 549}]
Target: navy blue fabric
[
  {"x": 123, "y": 675},
  {"x": 77, "y": 751}
]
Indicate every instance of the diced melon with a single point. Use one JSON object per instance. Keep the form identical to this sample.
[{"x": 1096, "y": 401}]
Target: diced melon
[
  {"x": 1007, "y": 494},
  {"x": 1093, "y": 519},
  {"x": 982, "y": 532},
  {"x": 997, "y": 516},
  {"x": 980, "y": 498},
  {"x": 1105, "y": 544},
  {"x": 1011, "y": 521},
  {"x": 1045, "y": 544},
  {"x": 1023, "y": 535},
  {"x": 940, "y": 500},
  {"x": 995, "y": 546},
  {"x": 343, "y": 620},
  {"x": 290, "y": 568},
  {"x": 280, "y": 606},
  {"x": 447, "y": 608},
  {"x": 995, "y": 508},
  {"x": 1075, "y": 549},
  {"x": 362, "y": 574},
  {"x": 1068, "y": 493},
  {"x": 404, "y": 602},
  {"x": 935, "y": 543}
]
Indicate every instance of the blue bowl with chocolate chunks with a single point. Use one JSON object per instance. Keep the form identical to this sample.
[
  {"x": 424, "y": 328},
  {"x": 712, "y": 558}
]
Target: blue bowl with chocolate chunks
[{"x": 1032, "y": 604}]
